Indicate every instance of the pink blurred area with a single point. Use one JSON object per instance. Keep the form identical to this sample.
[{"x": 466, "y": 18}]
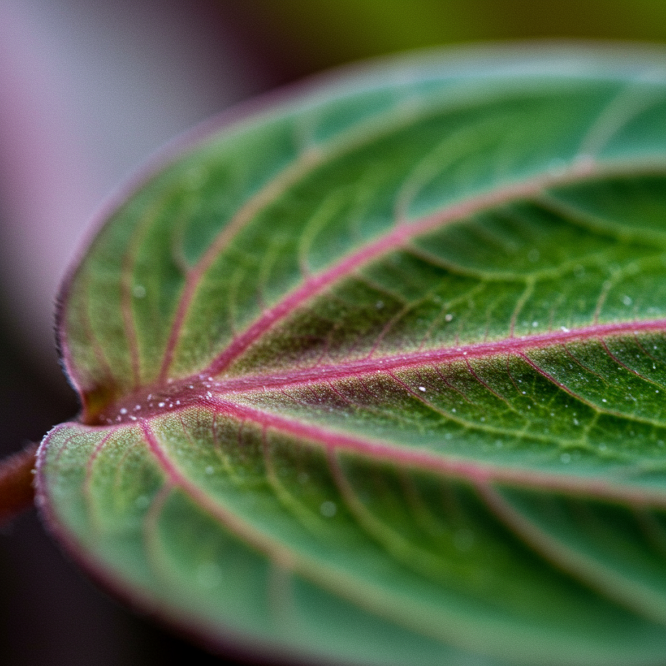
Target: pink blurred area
[{"x": 87, "y": 91}]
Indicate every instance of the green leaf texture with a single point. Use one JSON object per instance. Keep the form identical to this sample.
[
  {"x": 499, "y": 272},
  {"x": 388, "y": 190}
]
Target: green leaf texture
[{"x": 377, "y": 373}]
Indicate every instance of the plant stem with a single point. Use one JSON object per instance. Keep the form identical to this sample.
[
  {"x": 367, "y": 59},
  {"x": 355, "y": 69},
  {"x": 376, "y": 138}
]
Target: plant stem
[{"x": 16, "y": 488}]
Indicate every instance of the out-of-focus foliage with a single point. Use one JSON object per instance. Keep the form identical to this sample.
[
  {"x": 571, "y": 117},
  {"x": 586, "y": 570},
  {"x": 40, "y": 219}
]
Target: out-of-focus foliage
[{"x": 310, "y": 35}]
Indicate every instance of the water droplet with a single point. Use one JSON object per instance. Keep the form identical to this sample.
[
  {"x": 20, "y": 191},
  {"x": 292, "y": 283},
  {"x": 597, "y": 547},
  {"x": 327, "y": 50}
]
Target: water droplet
[
  {"x": 139, "y": 291},
  {"x": 603, "y": 400},
  {"x": 448, "y": 317},
  {"x": 328, "y": 509},
  {"x": 564, "y": 329},
  {"x": 209, "y": 469},
  {"x": 576, "y": 422},
  {"x": 137, "y": 408},
  {"x": 160, "y": 404},
  {"x": 454, "y": 410},
  {"x": 535, "y": 324},
  {"x": 123, "y": 410},
  {"x": 422, "y": 389},
  {"x": 379, "y": 305},
  {"x": 627, "y": 300}
]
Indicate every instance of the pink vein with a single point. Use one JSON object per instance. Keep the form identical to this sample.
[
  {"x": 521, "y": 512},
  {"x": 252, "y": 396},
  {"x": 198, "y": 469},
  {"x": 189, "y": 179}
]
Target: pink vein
[
  {"x": 228, "y": 518},
  {"x": 397, "y": 238},
  {"x": 502, "y": 347},
  {"x": 244, "y": 215},
  {"x": 476, "y": 472}
]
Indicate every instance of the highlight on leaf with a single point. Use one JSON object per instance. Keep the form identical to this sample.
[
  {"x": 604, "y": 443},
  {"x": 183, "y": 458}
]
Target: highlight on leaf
[{"x": 376, "y": 374}]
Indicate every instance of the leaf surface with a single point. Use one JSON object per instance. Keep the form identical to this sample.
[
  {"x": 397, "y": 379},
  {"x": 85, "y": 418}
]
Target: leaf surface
[{"x": 377, "y": 374}]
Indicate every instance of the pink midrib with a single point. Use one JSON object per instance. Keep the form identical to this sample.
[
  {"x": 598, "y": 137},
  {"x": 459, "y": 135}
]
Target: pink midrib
[
  {"x": 381, "y": 364},
  {"x": 192, "y": 391},
  {"x": 398, "y": 237}
]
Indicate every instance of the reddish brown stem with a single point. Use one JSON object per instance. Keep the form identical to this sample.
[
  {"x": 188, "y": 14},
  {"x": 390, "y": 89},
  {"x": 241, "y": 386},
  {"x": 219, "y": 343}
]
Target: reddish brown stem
[{"x": 16, "y": 489}]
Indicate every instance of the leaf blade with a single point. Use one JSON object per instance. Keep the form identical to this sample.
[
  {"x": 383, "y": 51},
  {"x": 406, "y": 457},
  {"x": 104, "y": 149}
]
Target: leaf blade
[{"x": 365, "y": 355}]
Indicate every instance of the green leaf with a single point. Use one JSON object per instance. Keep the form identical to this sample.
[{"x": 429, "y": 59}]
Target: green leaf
[{"x": 377, "y": 374}]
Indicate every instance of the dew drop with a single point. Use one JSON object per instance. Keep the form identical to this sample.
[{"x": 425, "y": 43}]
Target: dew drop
[
  {"x": 139, "y": 291},
  {"x": 209, "y": 469},
  {"x": 328, "y": 509},
  {"x": 535, "y": 324},
  {"x": 160, "y": 404},
  {"x": 576, "y": 422},
  {"x": 379, "y": 305},
  {"x": 627, "y": 300},
  {"x": 603, "y": 400},
  {"x": 422, "y": 389},
  {"x": 454, "y": 410},
  {"x": 564, "y": 329},
  {"x": 123, "y": 410},
  {"x": 448, "y": 317}
]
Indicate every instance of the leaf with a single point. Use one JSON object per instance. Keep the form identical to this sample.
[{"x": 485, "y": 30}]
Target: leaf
[{"x": 377, "y": 374}]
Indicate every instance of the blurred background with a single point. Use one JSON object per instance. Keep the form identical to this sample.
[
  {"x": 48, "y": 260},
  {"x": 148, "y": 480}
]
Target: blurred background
[{"x": 89, "y": 89}]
